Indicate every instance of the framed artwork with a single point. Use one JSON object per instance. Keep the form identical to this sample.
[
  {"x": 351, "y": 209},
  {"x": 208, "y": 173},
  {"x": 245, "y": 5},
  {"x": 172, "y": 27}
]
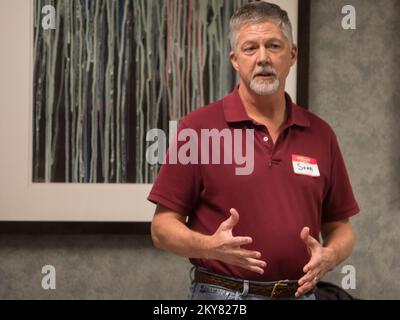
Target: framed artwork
[{"x": 88, "y": 79}]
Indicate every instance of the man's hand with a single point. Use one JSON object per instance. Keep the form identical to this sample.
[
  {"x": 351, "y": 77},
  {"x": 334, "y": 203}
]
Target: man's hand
[
  {"x": 322, "y": 260},
  {"x": 225, "y": 247}
]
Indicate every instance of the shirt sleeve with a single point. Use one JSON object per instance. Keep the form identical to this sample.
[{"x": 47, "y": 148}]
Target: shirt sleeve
[
  {"x": 339, "y": 202},
  {"x": 177, "y": 186}
]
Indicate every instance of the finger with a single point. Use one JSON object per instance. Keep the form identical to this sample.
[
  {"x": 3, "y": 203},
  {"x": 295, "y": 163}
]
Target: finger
[
  {"x": 308, "y": 240},
  {"x": 305, "y": 278},
  {"x": 307, "y": 287},
  {"x": 232, "y": 221},
  {"x": 241, "y": 241},
  {"x": 304, "y": 233},
  {"x": 254, "y": 269},
  {"x": 312, "y": 264},
  {"x": 235, "y": 214},
  {"x": 304, "y": 288},
  {"x": 256, "y": 262},
  {"x": 312, "y": 276},
  {"x": 242, "y": 253},
  {"x": 252, "y": 264},
  {"x": 251, "y": 267}
]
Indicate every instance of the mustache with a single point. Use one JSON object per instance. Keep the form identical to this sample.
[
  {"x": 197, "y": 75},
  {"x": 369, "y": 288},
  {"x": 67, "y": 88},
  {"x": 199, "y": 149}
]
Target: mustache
[{"x": 265, "y": 71}]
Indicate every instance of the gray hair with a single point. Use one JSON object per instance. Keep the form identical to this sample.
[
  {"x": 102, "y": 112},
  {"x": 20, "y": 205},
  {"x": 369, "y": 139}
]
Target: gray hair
[{"x": 259, "y": 12}]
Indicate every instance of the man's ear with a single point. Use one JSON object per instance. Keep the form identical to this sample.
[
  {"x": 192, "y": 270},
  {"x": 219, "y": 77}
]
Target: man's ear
[
  {"x": 233, "y": 58},
  {"x": 293, "y": 54}
]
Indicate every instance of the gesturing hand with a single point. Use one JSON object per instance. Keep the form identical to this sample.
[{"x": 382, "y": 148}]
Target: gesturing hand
[
  {"x": 225, "y": 247},
  {"x": 322, "y": 261}
]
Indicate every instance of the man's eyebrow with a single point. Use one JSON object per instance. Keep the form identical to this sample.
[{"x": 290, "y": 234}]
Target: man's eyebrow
[
  {"x": 274, "y": 40},
  {"x": 247, "y": 42}
]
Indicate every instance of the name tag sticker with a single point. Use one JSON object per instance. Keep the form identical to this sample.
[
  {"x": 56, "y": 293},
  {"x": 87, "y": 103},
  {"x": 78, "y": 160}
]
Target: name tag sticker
[{"x": 305, "y": 166}]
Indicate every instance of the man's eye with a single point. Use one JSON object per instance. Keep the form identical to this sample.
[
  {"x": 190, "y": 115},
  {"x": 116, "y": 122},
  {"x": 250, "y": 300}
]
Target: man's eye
[
  {"x": 250, "y": 49},
  {"x": 275, "y": 46}
]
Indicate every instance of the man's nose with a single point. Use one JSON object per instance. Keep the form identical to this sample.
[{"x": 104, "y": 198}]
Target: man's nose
[{"x": 263, "y": 57}]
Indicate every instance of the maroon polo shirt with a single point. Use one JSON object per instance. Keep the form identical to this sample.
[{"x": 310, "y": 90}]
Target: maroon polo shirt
[{"x": 274, "y": 202}]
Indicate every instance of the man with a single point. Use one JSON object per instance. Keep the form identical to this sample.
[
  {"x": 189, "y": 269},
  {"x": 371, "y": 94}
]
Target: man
[{"x": 256, "y": 236}]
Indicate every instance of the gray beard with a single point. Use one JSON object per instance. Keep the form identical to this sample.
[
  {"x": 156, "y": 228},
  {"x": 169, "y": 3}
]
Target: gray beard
[{"x": 264, "y": 87}]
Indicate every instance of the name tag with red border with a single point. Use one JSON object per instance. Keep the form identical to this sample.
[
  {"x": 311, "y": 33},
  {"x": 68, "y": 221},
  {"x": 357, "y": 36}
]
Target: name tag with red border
[{"x": 305, "y": 166}]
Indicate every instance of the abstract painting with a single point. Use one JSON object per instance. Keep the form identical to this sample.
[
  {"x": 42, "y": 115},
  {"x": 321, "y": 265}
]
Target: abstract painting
[{"x": 108, "y": 71}]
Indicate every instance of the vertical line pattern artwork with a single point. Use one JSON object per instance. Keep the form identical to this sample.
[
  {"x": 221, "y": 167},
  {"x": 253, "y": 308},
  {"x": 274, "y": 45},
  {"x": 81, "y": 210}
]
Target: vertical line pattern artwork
[{"x": 112, "y": 70}]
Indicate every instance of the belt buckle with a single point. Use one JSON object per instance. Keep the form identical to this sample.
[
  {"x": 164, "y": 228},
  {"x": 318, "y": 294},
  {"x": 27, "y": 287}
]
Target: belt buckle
[{"x": 278, "y": 288}]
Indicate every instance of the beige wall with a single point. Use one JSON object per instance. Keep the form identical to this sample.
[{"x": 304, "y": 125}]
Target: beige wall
[{"x": 19, "y": 198}]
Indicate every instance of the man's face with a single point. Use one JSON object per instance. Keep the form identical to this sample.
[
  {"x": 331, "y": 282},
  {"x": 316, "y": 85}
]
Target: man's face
[{"x": 263, "y": 57}]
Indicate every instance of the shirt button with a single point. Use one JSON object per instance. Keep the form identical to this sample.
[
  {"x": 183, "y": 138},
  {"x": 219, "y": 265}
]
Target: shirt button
[{"x": 266, "y": 139}]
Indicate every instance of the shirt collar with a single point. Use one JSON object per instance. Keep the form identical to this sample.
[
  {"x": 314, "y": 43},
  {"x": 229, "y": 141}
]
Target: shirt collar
[{"x": 235, "y": 112}]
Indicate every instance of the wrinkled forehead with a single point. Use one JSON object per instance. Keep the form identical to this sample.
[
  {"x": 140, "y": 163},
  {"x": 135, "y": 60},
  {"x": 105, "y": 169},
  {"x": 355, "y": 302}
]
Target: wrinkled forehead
[{"x": 263, "y": 30}]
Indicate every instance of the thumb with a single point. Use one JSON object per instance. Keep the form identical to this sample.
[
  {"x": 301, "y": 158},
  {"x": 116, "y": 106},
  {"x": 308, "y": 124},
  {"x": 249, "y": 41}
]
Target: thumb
[
  {"x": 308, "y": 240},
  {"x": 232, "y": 221}
]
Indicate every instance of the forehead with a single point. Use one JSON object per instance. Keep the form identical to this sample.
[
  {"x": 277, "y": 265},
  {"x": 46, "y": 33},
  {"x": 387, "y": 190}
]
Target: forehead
[{"x": 263, "y": 30}]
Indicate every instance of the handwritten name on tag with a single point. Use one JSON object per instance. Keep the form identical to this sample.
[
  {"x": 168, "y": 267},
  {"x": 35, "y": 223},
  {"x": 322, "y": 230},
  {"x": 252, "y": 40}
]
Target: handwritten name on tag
[{"x": 305, "y": 166}]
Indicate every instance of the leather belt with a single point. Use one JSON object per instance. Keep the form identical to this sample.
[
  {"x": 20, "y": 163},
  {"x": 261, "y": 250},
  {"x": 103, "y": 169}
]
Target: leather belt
[{"x": 279, "y": 289}]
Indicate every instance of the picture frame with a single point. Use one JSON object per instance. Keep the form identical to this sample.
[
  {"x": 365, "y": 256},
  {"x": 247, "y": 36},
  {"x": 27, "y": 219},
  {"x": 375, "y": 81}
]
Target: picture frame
[{"x": 27, "y": 207}]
